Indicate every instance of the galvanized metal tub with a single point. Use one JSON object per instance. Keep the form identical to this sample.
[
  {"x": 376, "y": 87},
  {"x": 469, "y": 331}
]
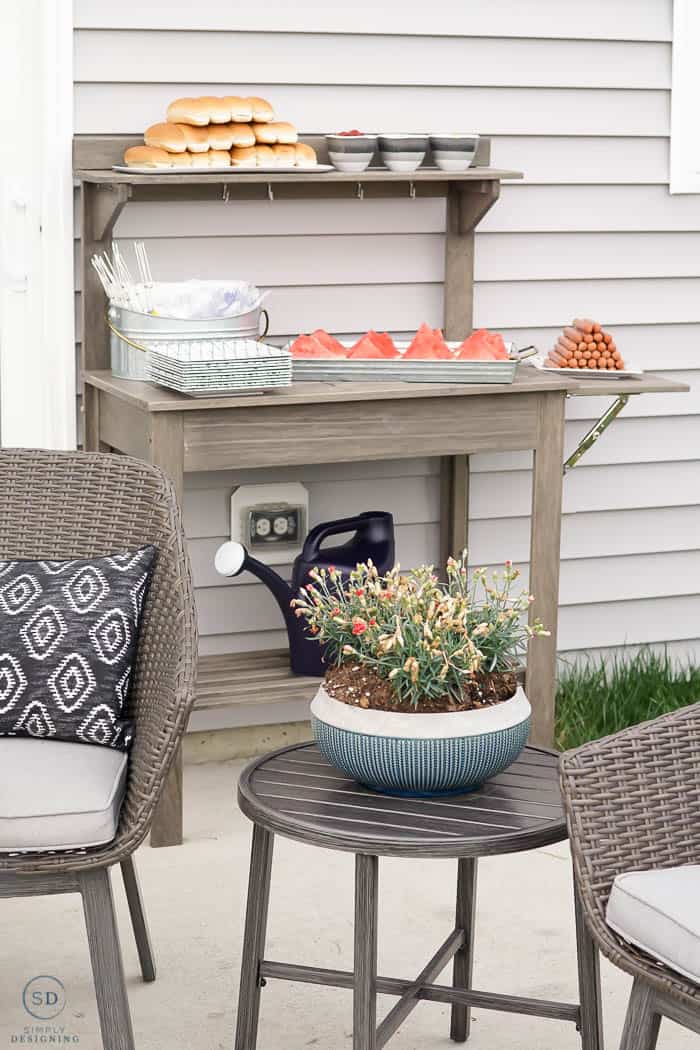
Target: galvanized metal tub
[{"x": 129, "y": 330}]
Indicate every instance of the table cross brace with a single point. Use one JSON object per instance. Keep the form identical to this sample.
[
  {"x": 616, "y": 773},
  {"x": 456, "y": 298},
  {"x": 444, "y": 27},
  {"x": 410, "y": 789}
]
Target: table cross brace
[{"x": 410, "y": 993}]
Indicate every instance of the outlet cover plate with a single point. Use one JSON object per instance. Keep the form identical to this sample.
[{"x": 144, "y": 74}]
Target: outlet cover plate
[{"x": 273, "y": 499}]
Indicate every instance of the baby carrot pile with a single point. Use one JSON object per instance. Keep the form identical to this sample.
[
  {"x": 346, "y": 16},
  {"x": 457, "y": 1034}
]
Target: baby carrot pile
[{"x": 585, "y": 345}]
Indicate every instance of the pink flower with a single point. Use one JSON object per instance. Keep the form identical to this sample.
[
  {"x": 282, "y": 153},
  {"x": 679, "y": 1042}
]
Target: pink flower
[
  {"x": 509, "y": 563},
  {"x": 359, "y": 592},
  {"x": 358, "y": 626}
]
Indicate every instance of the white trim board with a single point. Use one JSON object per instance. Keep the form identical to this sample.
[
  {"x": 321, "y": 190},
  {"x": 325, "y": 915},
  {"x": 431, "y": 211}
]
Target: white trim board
[
  {"x": 685, "y": 98},
  {"x": 37, "y": 362}
]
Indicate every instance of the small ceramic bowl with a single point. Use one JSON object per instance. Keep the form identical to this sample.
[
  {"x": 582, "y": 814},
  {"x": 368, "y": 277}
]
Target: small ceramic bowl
[
  {"x": 351, "y": 152},
  {"x": 403, "y": 152},
  {"x": 454, "y": 152}
]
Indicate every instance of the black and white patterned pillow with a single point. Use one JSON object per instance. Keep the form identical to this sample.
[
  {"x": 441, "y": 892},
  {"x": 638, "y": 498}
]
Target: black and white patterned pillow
[{"x": 68, "y": 636}]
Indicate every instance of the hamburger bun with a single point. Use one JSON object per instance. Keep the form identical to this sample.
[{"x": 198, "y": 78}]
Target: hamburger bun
[
  {"x": 267, "y": 134},
  {"x": 220, "y": 136},
  {"x": 284, "y": 155},
  {"x": 188, "y": 111},
  {"x": 213, "y": 158},
  {"x": 286, "y": 133},
  {"x": 218, "y": 109},
  {"x": 242, "y": 135},
  {"x": 244, "y": 157},
  {"x": 147, "y": 157},
  {"x": 197, "y": 139},
  {"x": 262, "y": 110},
  {"x": 305, "y": 156},
  {"x": 266, "y": 156},
  {"x": 169, "y": 137},
  {"x": 182, "y": 160},
  {"x": 240, "y": 109}
]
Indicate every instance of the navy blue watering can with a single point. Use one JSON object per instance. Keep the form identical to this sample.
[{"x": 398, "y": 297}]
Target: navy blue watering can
[{"x": 373, "y": 537}]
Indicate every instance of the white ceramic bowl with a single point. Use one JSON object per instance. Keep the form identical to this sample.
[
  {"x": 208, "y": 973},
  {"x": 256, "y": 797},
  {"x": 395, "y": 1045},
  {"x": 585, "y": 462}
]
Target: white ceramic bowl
[
  {"x": 454, "y": 151},
  {"x": 351, "y": 152},
  {"x": 403, "y": 151}
]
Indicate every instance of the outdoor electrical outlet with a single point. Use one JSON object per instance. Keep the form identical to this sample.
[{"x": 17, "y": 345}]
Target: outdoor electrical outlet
[
  {"x": 280, "y": 524},
  {"x": 270, "y": 520}
]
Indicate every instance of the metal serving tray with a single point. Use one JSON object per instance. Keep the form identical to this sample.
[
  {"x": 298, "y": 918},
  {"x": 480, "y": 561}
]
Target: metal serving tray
[{"x": 326, "y": 370}]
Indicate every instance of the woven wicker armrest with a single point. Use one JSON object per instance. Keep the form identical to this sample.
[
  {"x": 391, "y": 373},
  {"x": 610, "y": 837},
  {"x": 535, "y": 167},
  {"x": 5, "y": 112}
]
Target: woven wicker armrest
[
  {"x": 79, "y": 505},
  {"x": 632, "y": 802}
]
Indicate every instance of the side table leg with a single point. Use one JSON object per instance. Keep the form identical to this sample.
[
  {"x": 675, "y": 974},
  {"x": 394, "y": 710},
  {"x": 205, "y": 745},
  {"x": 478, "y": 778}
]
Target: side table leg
[
  {"x": 254, "y": 939},
  {"x": 460, "y": 1022},
  {"x": 364, "y": 1026},
  {"x": 588, "y": 982}
]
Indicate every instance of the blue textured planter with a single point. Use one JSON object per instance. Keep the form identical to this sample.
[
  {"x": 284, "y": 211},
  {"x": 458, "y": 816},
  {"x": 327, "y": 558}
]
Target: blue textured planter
[{"x": 420, "y": 754}]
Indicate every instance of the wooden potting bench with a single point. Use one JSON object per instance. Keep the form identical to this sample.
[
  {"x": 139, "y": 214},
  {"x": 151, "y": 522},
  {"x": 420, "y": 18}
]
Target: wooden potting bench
[{"x": 334, "y": 423}]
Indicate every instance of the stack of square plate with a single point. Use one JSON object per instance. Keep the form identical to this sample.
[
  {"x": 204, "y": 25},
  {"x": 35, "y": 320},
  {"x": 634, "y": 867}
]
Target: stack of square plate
[
  {"x": 207, "y": 368},
  {"x": 359, "y": 370}
]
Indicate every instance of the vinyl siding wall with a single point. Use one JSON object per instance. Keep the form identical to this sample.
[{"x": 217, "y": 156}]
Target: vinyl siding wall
[{"x": 577, "y": 96}]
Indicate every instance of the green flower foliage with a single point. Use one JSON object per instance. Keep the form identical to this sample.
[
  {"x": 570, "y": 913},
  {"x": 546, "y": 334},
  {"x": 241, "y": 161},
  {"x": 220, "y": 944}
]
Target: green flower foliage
[{"x": 425, "y": 636}]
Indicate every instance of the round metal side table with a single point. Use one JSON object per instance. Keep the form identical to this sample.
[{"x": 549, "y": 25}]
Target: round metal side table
[{"x": 294, "y": 792}]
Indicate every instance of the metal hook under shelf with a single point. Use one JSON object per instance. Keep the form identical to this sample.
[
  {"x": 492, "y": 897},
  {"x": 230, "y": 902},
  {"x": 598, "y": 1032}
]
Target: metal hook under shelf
[
  {"x": 598, "y": 428},
  {"x": 270, "y": 194},
  {"x": 412, "y": 190},
  {"x": 226, "y": 193},
  {"x": 360, "y": 191}
]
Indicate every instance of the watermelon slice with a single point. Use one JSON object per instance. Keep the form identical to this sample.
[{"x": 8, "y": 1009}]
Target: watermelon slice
[
  {"x": 385, "y": 343},
  {"x": 330, "y": 342},
  {"x": 308, "y": 346},
  {"x": 482, "y": 345},
  {"x": 427, "y": 345},
  {"x": 367, "y": 349}
]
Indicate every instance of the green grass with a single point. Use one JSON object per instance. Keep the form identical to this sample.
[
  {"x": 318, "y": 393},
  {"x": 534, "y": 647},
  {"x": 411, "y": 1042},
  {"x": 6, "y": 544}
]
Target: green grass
[{"x": 595, "y": 699}]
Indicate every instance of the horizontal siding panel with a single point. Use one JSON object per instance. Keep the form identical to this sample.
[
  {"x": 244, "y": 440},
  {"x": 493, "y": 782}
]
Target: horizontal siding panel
[
  {"x": 622, "y": 623},
  {"x": 576, "y": 209},
  {"x": 554, "y": 160},
  {"x": 176, "y": 56},
  {"x": 283, "y": 218},
  {"x": 415, "y": 258},
  {"x": 514, "y": 304},
  {"x": 680, "y": 653},
  {"x": 128, "y": 108},
  {"x": 591, "y": 488},
  {"x": 596, "y": 20}
]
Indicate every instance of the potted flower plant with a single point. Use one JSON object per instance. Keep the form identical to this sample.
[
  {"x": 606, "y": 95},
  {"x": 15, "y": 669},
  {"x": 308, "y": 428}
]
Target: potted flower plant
[{"x": 420, "y": 695}]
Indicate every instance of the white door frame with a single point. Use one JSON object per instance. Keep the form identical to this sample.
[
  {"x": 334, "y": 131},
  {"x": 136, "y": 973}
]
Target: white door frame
[{"x": 37, "y": 328}]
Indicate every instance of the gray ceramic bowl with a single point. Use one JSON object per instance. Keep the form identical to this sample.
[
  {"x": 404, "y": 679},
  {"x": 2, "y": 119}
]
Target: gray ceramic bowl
[
  {"x": 454, "y": 151},
  {"x": 351, "y": 152},
  {"x": 403, "y": 151}
]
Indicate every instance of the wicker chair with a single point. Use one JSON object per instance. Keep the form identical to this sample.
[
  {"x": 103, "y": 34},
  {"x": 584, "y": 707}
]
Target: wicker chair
[
  {"x": 632, "y": 805},
  {"x": 63, "y": 505}
]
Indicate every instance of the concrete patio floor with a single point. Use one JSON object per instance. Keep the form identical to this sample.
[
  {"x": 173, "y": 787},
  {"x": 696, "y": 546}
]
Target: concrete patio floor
[{"x": 195, "y": 897}]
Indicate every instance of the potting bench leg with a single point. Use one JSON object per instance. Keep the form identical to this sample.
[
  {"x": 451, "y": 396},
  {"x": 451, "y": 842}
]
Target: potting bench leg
[
  {"x": 545, "y": 541},
  {"x": 588, "y": 982},
  {"x": 254, "y": 939},
  {"x": 460, "y": 1022},
  {"x": 364, "y": 1013}
]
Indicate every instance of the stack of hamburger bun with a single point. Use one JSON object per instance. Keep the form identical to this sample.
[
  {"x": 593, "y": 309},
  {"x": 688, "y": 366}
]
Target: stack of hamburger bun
[{"x": 210, "y": 132}]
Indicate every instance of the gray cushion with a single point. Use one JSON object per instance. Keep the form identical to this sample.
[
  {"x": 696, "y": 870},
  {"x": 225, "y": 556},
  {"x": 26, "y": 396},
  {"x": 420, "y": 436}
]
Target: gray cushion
[
  {"x": 659, "y": 911},
  {"x": 57, "y": 795}
]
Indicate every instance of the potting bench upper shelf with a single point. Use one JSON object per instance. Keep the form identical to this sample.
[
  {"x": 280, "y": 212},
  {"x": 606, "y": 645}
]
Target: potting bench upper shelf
[{"x": 324, "y": 423}]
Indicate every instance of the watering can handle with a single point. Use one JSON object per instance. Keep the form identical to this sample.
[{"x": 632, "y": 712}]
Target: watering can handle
[
  {"x": 266, "y": 329},
  {"x": 331, "y": 528}
]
